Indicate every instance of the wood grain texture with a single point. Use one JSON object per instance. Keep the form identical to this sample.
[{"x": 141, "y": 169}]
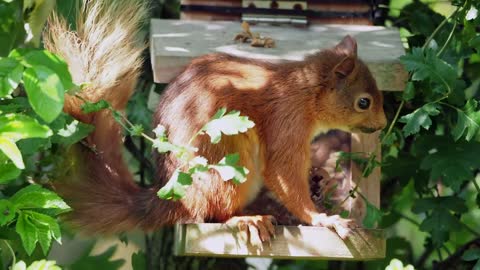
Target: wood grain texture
[
  {"x": 370, "y": 186},
  {"x": 175, "y": 43},
  {"x": 214, "y": 239}
]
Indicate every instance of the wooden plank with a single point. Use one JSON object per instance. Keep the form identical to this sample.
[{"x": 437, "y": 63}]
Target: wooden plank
[
  {"x": 215, "y": 239},
  {"x": 175, "y": 43},
  {"x": 370, "y": 186}
]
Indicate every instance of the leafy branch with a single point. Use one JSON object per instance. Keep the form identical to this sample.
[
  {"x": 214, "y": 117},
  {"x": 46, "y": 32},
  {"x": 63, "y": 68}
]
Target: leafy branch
[{"x": 191, "y": 164}]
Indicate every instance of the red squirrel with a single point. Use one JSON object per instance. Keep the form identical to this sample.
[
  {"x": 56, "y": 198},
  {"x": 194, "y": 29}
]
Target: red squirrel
[{"x": 289, "y": 102}]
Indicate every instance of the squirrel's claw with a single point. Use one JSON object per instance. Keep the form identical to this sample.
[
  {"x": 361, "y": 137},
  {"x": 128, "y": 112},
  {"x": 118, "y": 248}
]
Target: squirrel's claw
[
  {"x": 254, "y": 230},
  {"x": 342, "y": 226}
]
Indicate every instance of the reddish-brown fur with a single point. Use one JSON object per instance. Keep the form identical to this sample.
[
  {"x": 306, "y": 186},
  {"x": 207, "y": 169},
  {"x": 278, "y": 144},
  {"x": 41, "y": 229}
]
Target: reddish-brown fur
[{"x": 289, "y": 103}]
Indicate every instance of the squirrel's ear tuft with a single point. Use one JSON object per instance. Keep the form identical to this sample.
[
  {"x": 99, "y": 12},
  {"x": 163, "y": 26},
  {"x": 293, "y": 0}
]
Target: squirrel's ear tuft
[{"x": 347, "y": 46}]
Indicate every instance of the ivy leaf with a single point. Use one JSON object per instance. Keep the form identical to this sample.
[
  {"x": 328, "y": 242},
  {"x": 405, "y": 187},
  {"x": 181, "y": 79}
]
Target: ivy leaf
[
  {"x": 373, "y": 215},
  {"x": 10, "y": 75},
  {"x": 34, "y": 196},
  {"x": 229, "y": 124},
  {"x": 7, "y": 212},
  {"x": 467, "y": 119},
  {"x": 440, "y": 222},
  {"x": 452, "y": 162},
  {"x": 53, "y": 62},
  {"x": 419, "y": 118},
  {"x": 176, "y": 186},
  {"x": 229, "y": 170},
  {"x": 45, "y": 92},
  {"x": 27, "y": 231}
]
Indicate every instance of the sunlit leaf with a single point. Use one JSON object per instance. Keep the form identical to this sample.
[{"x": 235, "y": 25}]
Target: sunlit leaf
[
  {"x": 176, "y": 186},
  {"x": 34, "y": 196},
  {"x": 229, "y": 124},
  {"x": 229, "y": 170},
  {"x": 19, "y": 126},
  {"x": 10, "y": 149},
  {"x": 45, "y": 92}
]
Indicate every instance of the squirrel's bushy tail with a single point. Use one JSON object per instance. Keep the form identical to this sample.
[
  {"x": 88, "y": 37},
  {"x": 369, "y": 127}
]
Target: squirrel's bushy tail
[{"x": 104, "y": 53}]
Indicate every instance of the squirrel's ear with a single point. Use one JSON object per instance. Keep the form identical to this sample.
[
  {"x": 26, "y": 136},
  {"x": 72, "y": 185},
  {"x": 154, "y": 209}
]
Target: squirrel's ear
[
  {"x": 345, "y": 67},
  {"x": 343, "y": 70},
  {"x": 347, "y": 46}
]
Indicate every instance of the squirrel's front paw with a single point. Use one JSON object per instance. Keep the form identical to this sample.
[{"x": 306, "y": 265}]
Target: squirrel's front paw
[
  {"x": 343, "y": 227},
  {"x": 254, "y": 230}
]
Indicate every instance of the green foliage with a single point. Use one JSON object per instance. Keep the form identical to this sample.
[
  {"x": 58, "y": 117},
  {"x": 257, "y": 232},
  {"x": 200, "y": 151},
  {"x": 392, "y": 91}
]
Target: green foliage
[
  {"x": 430, "y": 167},
  {"x": 473, "y": 255},
  {"x": 228, "y": 168},
  {"x": 37, "y": 265}
]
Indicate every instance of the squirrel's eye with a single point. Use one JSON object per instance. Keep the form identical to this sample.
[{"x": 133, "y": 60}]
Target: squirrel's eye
[{"x": 362, "y": 104}]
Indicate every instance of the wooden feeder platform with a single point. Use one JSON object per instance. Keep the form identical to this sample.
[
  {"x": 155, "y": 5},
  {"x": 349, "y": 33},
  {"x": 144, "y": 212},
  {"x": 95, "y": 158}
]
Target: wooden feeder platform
[{"x": 174, "y": 43}]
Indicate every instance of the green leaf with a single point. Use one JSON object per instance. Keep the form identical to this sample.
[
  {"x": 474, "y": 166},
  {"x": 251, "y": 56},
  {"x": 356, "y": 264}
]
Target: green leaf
[
  {"x": 409, "y": 92},
  {"x": 467, "y": 119},
  {"x": 89, "y": 107},
  {"x": 419, "y": 118},
  {"x": 373, "y": 215},
  {"x": 440, "y": 221},
  {"x": 44, "y": 265},
  {"x": 229, "y": 124},
  {"x": 425, "y": 64},
  {"x": 7, "y": 212},
  {"x": 10, "y": 75},
  {"x": 176, "y": 186},
  {"x": 8, "y": 172},
  {"x": 471, "y": 254},
  {"x": 10, "y": 149},
  {"x": 45, "y": 92},
  {"x": 27, "y": 231},
  {"x": 53, "y": 62},
  {"x": 47, "y": 229},
  {"x": 451, "y": 162},
  {"x": 163, "y": 146},
  {"x": 229, "y": 170},
  {"x": 34, "y": 196},
  {"x": 139, "y": 261},
  {"x": 19, "y": 126},
  {"x": 73, "y": 132}
]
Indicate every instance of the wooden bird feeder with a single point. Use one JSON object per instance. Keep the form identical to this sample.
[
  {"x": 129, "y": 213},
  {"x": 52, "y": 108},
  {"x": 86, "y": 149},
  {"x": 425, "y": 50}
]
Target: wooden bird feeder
[{"x": 174, "y": 43}]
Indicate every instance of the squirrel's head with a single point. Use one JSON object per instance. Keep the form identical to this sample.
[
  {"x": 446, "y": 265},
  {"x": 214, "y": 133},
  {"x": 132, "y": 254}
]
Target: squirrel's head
[{"x": 350, "y": 100}]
